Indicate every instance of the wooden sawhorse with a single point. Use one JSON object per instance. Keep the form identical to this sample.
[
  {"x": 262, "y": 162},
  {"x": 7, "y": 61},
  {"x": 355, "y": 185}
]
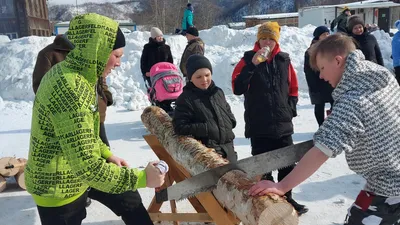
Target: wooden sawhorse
[{"x": 207, "y": 207}]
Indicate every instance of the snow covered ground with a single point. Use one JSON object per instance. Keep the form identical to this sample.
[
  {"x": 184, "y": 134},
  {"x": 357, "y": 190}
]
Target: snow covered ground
[{"x": 328, "y": 193}]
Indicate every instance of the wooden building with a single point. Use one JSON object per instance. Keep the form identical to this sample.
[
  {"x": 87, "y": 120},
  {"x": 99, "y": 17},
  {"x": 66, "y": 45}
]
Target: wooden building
[
  {"x": 288, "y": 19},
  {"x": 20, "y": 18}
]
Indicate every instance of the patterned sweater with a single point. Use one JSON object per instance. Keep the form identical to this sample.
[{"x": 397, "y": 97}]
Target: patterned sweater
[
  {"x": 365, "y": 124},
  {"x": 66, "y": 155}
]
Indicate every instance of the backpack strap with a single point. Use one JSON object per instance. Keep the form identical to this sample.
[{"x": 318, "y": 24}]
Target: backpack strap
[{"x": 155, "y": 78}]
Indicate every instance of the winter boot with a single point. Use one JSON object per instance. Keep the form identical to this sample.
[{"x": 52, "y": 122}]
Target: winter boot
[{"x": 301, "y": 209}]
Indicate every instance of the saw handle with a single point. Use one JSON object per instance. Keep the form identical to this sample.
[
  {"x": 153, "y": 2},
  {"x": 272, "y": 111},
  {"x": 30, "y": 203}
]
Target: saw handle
[{"x": 12, "y": 166}]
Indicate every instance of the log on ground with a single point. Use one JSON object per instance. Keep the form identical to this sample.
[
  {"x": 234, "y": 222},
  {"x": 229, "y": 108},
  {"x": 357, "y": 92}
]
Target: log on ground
[{"x": 232, "y": 188}]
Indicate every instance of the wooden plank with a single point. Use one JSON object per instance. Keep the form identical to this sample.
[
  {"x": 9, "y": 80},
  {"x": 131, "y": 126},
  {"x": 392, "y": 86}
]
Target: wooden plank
[
  {"x": 214, "y": 209},
  {"x": 177, "y": 171},
  {"x": 183, "y": 217},
  {"x": 203, "y": 203}
]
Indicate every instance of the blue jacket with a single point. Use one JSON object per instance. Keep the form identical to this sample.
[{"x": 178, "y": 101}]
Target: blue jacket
[
  {"x": 396, "y": 49},
  {"x": 187, "y": 20}
]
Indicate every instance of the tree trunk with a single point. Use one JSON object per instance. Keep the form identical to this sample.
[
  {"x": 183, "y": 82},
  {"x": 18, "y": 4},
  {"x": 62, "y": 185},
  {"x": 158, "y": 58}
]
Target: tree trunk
[{"x": 232, "y": 188}]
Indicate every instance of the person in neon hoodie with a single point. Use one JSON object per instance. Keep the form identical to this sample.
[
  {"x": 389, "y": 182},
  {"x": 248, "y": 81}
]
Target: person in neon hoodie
[{"x": 66, "y": 155}]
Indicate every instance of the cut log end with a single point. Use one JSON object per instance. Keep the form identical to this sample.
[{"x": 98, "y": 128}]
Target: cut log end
[
  {"x": 20, "y": 178},
  {"x": 7, "y": 168},
  {"x": 3, "y": 183},
  {"x": 280, "y": 214}
]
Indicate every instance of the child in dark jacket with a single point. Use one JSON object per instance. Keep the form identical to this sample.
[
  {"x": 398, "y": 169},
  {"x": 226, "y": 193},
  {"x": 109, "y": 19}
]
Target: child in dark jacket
[
  {"x": 203, "y": 112},
  {"x": 320, "y": 91}
]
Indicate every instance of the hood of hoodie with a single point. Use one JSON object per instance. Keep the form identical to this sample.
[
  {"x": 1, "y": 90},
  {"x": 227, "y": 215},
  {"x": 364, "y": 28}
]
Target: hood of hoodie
[
  {"x": 362, "y": 76},
  {"x": 93, "y": 37}
]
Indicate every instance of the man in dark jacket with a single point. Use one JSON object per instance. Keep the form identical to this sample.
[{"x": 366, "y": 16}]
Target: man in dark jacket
[
  {"x": 123, "y": 204},
  {"x": 270, "y": 89},
  {"x": 341, "y": 21},
  {"x": 320, "y": 91},
  {"x": 195, "y": 46},
  {"x": 202, "y": 111},
  {"x": 154, "y": 52}
]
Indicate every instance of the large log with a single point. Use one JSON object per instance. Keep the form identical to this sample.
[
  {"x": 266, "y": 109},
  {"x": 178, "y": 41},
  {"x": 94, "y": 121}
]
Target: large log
[{"x": 232, "y": 188}]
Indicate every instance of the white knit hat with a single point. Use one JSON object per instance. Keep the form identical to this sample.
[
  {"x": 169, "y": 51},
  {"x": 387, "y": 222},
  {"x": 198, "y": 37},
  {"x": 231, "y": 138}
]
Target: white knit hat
[{"x": 155, "y": 32}]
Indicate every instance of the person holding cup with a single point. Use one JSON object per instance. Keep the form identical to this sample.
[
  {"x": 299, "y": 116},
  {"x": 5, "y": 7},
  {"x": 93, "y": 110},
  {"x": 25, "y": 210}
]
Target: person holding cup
[{"x": 267, "y": 79}]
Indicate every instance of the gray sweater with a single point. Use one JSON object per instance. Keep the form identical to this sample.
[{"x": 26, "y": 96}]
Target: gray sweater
[{"x": 365, "y": 124}]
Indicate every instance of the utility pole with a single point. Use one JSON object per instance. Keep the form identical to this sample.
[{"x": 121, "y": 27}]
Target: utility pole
[{"x": 76, "y": 6}]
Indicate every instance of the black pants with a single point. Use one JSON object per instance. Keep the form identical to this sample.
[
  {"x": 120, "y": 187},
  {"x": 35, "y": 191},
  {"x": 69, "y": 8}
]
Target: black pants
[
  {"x": 384, "y": 210},
  {"x": 319, "y": 112},
  {"x": 262, "y": 145},
  {"x": 127, "y": 205},
  {"x": 397, "y": 72}
]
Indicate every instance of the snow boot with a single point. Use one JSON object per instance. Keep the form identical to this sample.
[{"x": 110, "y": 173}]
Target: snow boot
[{"x": 301, "y": 209}]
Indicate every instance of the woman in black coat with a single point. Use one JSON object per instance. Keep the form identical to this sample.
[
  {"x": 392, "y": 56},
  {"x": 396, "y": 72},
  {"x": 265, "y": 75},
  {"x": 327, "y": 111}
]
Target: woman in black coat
[
  {"x": 320, "y": 91},
  {"x": 203, "y": 112},
  {"x": 154, "y": 52},
  {"x": 366, "y": 42}
]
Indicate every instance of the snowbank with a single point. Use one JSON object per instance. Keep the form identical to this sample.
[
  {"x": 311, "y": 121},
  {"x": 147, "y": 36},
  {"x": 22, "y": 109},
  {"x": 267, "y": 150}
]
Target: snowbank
[
  {"x": 4, "y": 39},
  {"x": 224, "y": 48}
]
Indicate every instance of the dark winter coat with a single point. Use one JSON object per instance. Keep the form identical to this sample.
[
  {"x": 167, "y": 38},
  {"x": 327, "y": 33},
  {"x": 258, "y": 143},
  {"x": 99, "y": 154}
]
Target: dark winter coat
[
  {"x": 320, "y": 91},
  {"x": 270, "y": 94},
  {"x": 369, "y": 46},
  {"x": 195, "y": 46},
  {"x": 205, "y": 115},
  {"x": 154, "y": 52},
  {"x": 55, "y": 53},
  {"x": 341, "y": 22}
]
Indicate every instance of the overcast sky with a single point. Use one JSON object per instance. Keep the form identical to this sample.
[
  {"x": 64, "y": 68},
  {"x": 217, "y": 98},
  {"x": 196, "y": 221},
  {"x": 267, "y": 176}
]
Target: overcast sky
[{"x": 72, "y": 2}]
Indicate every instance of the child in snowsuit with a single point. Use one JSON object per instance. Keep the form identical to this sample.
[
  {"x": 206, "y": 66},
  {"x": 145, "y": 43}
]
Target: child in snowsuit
[
  {"x": 202, "y": 111},
  {"x": 187, "y": 20},
  {"x": 364, "y": 124}
]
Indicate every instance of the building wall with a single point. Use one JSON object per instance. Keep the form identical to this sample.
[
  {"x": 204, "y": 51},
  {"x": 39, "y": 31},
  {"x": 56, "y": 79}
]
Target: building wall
[
  {"x": 395, "y": 14},
  {"x": 37, "y": 18},
  {"x": 291, "y": 21},
  {"x": 8, "y": 19}
]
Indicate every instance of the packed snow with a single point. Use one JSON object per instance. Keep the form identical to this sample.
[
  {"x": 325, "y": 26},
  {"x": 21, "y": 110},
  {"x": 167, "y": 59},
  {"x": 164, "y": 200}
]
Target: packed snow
[
  {"x": 328, "y": 193},
  {"x": 224, "y": 48},
  {"x": 4, "y": 38}
]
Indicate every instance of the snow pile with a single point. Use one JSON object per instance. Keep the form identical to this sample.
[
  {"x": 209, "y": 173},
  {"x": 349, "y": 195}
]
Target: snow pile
[
  {"x": 4, "y": 39},
  {"x": 385, "y": 44},
  {"x": 18, "y": 58},
  {"x": 224, "y": 48}
]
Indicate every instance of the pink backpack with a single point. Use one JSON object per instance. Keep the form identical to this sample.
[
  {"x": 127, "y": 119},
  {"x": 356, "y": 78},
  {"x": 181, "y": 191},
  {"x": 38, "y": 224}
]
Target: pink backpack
[{"x": 166, "y": 82}]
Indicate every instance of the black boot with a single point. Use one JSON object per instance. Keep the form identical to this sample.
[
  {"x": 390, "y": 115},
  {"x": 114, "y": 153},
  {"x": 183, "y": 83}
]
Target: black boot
[{"x": 301, "y": 209}]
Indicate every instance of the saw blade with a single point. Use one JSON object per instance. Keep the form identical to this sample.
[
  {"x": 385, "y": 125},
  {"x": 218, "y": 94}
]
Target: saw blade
[{"x": 252, "y": 166}]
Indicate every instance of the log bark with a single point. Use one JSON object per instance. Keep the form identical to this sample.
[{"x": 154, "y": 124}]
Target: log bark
[
  {"x": 3, "y": 183},
  {"x": 232, "y": 188}
]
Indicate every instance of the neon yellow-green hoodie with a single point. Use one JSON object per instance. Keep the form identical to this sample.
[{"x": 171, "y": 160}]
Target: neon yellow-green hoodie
[{"x": 66, "y": 155}]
